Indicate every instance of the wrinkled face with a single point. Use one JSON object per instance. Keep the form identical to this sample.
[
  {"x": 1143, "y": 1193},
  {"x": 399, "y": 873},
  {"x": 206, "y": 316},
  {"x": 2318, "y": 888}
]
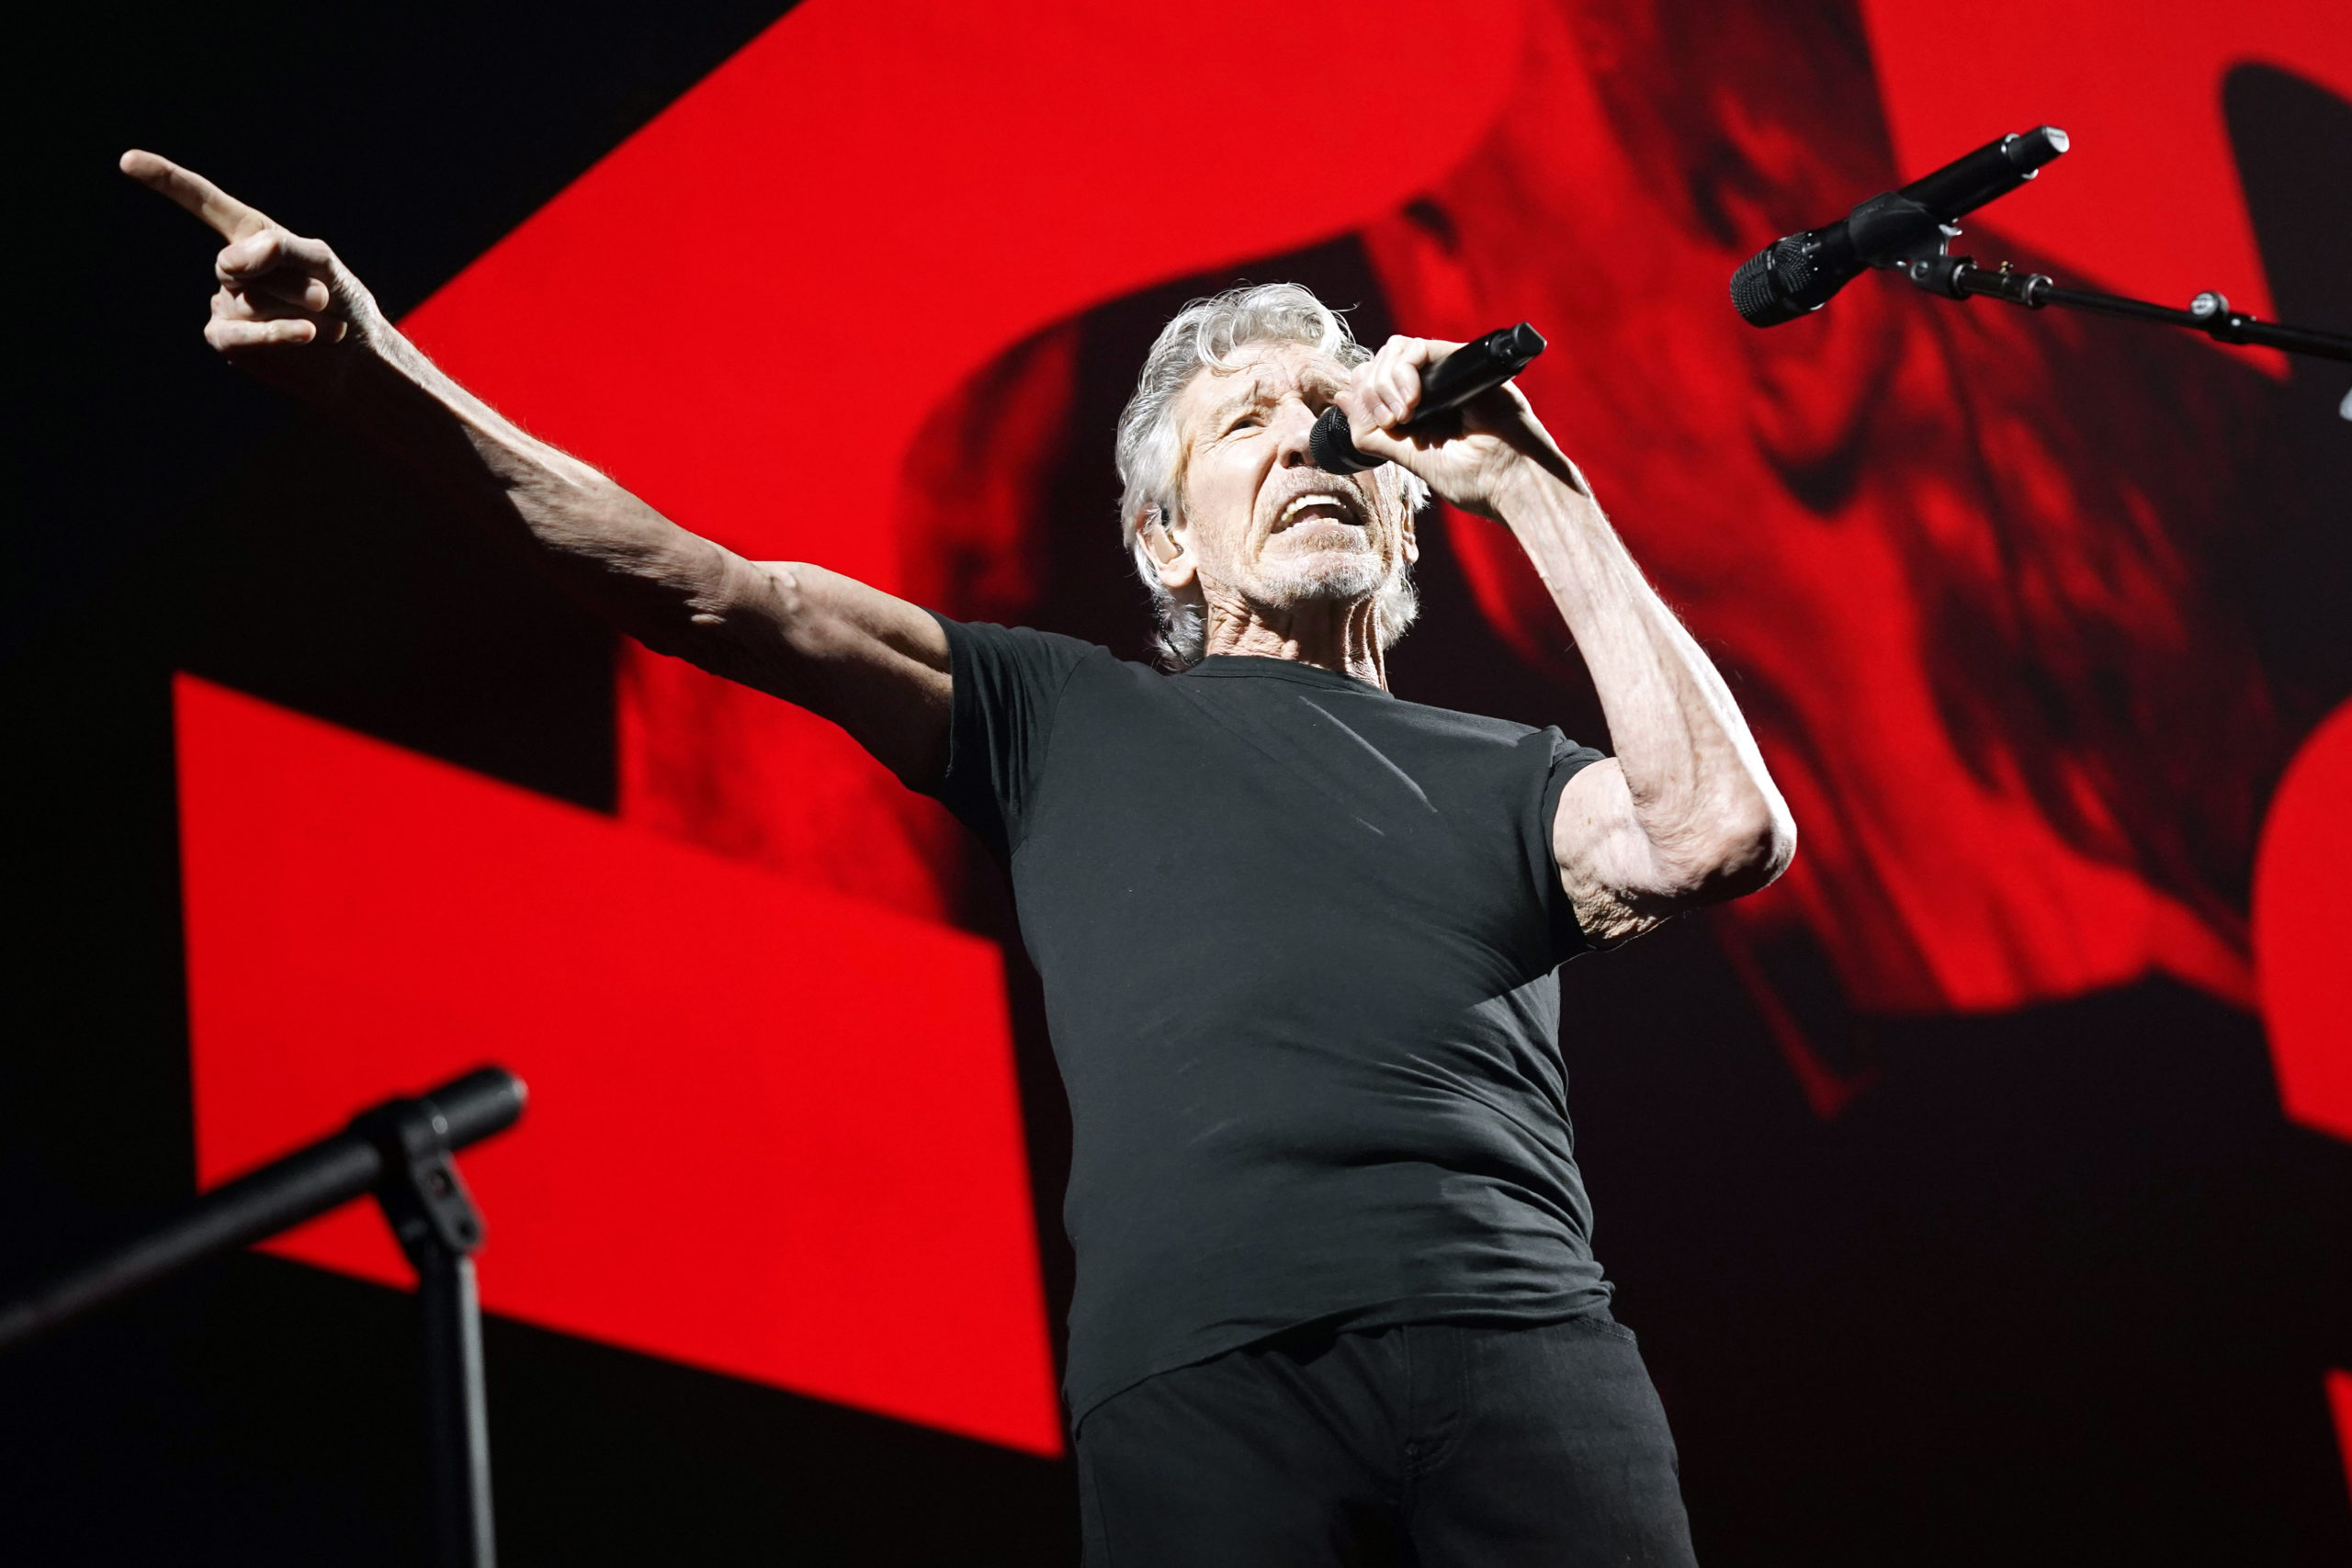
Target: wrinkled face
[{"x": 1262, "y": 522}]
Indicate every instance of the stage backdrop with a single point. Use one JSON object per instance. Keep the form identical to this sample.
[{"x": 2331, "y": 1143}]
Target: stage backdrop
[{"x": 1983, "y": 1190}]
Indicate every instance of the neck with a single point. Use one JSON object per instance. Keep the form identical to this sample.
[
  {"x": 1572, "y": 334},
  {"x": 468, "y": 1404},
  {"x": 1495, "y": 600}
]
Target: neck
[{"x": 1328, "y": 635}]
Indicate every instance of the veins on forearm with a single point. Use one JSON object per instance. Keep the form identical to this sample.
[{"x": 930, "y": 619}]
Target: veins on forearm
[
  {"x": 626, "y": 563},
  {"x": 1696, "y": 780}
]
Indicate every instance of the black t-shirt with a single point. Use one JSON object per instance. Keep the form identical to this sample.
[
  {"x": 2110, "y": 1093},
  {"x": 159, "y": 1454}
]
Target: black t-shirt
[{"x": 1297, "y": 938}]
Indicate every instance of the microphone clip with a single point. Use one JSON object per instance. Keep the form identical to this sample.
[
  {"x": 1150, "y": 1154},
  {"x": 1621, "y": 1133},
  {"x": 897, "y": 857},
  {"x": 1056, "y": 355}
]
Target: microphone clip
[{"x": 1891, "y": 229}]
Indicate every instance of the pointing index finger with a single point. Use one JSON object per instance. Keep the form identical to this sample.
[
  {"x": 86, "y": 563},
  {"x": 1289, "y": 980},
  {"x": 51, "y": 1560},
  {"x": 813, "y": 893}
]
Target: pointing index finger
[{"x": 229, "y": 217}]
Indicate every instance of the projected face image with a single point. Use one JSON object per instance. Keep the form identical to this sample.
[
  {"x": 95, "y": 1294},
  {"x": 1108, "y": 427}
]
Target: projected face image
[{"x": 1956, "y": 554}]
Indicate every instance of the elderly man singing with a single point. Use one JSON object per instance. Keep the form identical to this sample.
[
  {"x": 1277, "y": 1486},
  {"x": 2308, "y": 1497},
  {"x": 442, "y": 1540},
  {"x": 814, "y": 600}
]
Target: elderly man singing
[{"x": 1336, "y": 1300}]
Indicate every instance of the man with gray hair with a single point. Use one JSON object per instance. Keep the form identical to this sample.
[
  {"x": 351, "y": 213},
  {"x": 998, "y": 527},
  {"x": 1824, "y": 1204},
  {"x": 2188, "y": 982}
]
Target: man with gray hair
[{"x": 1336, "y": 1300}]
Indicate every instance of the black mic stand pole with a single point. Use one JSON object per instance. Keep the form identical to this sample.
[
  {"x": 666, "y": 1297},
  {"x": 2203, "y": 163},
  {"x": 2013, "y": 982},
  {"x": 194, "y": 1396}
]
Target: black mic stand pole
[
  {"x": 1931, "y": 268},
  {"x": 432, "y": 1214}
]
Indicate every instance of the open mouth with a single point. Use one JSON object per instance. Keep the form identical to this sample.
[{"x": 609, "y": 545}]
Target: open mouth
[{"x": 1318, "y": 506}]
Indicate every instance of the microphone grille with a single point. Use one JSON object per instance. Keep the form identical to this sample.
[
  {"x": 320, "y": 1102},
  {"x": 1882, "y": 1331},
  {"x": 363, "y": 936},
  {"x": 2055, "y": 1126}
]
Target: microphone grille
[
  {"x": 1763, "y": 287},
  {"x": 1334, "y": 453},
  {"x": 1752, "y": 294}
]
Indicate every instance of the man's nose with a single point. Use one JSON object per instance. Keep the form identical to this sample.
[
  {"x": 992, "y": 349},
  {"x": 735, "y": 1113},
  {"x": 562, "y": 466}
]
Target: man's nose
[{"x": 1294, "y": 433}]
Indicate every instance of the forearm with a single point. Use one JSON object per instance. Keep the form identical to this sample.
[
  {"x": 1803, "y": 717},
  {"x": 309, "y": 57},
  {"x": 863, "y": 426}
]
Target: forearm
[
  {"x": 1698, "y": 784},
  {"x": 627, "y": 563}
]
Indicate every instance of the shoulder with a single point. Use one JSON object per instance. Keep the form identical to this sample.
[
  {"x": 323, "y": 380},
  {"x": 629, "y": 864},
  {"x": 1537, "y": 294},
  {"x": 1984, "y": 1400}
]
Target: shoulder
[
  {"x": 1024, "y": 642},
  {"x": 1039, "y": 674},
  {"x": 985, "y": 644},
  {"x": 1475, "y": 729},
  {"x": 1525, "y": 754}
]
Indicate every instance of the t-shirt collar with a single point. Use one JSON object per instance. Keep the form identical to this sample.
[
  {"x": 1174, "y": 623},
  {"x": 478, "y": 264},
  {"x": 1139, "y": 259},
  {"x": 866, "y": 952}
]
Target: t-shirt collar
[{"x": 1245, "y": 665}]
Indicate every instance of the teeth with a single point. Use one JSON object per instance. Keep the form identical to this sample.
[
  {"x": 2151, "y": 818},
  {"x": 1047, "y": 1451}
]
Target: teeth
[{"x": 1305, "y": 501}]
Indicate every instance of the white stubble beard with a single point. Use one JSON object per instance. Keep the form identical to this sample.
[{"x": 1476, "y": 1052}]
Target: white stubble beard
[{"x": 1356, "y": 575}]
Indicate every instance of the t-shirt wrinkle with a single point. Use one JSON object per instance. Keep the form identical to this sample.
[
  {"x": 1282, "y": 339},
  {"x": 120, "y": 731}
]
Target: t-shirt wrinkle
[
  {"x": 1371, "y": 755},
  {"x": 1052, "y": 728},
  {"x": 1298, "y": 939}
]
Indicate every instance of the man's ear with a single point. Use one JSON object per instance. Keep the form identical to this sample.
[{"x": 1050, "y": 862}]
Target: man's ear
[
  {"x": 1171, "y": 550},
  {"x": 1410, "y": 540}
]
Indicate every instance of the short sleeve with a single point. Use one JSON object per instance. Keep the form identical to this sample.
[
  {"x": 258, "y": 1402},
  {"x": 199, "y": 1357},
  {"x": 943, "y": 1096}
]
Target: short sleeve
[
  {"x": 1007, "y": 682},
  {"x": 1568, "y": 760}
]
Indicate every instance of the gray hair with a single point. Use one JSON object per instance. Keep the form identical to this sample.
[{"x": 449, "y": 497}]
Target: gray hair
[{"x": 1204, "y": 336}]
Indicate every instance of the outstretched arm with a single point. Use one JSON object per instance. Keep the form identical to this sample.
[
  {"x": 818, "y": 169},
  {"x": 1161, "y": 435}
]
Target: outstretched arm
[
  {"x": 290, "y": 311},
  {"x": 1685, "y": 813}
]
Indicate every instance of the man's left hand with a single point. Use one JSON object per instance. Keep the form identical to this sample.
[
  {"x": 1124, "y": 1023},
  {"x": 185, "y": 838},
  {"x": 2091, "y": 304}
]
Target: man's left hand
[{"x": 1472, "y": 456}]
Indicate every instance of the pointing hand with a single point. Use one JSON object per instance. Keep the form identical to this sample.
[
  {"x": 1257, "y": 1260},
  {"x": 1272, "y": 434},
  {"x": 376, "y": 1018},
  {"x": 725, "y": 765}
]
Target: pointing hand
[{"x": 286, "y": 306}]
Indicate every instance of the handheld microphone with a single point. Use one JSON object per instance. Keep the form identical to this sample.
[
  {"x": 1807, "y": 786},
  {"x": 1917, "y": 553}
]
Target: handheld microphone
[
  {"x": 1796, "y": 275},
  {"x": 1479, "y": 365}
]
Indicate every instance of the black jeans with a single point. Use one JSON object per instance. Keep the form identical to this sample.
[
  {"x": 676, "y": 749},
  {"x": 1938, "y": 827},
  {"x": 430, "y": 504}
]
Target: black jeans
[{"x": 1435, "y": 1445}]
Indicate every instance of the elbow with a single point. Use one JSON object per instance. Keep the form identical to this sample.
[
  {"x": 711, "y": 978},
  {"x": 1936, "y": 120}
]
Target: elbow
[
  {"x": 1744, "y": 850},
  {"x": 1757, "y": 846}
]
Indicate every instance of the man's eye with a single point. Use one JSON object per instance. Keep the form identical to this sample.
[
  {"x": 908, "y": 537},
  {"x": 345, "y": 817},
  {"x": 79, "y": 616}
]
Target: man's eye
[{"x": 1247, "y": 422}]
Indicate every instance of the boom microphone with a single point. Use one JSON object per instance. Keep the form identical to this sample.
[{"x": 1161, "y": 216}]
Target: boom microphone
[
  {"x": 1796, "y": 275},
  {"x": 1478, "y": 366}
]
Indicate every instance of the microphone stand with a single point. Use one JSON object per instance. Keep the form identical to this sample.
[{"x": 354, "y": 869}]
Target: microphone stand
[
  {"x": 400, "y": 1150},
  {"x": 1932, "y": 267}
]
